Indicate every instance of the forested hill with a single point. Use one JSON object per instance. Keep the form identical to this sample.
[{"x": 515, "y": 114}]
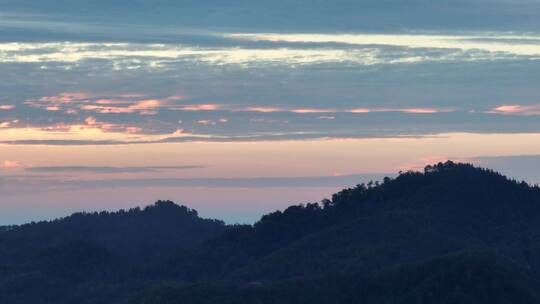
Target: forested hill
[
  {"x": 77, "y": 241},
  {"x": 449, "y": 207},
  {"x": 421, "y": 237}
]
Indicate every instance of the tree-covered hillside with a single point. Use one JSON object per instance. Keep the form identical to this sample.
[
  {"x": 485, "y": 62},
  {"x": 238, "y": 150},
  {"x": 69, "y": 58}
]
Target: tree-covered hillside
[{"x": 451, "y": 234}]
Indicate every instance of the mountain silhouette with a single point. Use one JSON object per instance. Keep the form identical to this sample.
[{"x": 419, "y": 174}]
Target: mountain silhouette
[{"x": 453, "y": 233}]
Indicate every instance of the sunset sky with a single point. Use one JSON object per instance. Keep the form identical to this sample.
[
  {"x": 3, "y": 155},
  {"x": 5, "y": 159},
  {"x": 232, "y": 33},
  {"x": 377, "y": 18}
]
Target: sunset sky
[{"x": 237, "y": 108}]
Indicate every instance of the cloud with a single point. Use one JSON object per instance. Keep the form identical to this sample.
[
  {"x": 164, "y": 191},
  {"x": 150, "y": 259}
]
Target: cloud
[
  {"x": 516, "y": 109},
  {"x": 247, "y": 182},
  {"x": 300, "y": 50},
  {"x": 104, "y": 169},
  {"x": 403, "y": 110},
  {"x": 354, "y": 110},
  {"x": 72, "y": 103},
  {"x": 8, "y": 124},
  {"x": 197, "y": 107},
  {"x": 13, "y": 164},
  {"x": 261, "y": 109},
  {"x": 143, "y": 107},
  {"x": 488, "y": 42},
  {"x": 7, "y": 107},
  {"x": 311, "y": 110},
  {"x": 212, "y": 122}
]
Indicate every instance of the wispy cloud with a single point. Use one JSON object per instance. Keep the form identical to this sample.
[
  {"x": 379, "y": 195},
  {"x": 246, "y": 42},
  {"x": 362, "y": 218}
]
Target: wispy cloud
[
  {"x": 490, "y": 42},
  {"x": 516, "y": 109},
  {"x": 72, "y": 103},
  {"x": 105, "y": 169},
  {"x": 197, "y": 107},
  {"x": 143, "y": 107},
  {"x": 403, "y": 110},
  {"x": 7, "y": 107},
  {"x": 354, "y": 110},
  {"x": 8, "y": 124},
  {"x": 356, "y": 49},
  {"x": 13, "y": 164},
  {"x": 55, "y": 184}
]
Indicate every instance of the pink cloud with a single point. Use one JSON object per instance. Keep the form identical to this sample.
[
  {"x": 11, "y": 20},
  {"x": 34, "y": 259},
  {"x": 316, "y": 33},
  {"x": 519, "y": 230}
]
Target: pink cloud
[
  {"x": 90, "y": 121},
  {"x": 143, "y": 107},
  {"x": 312, "y": 110},
  {"x": 422, "y": 162},
  {"x": 7, "y": 107},
  {"x": 517, "y": 109},
  {"x": 13, "y": 164},
  {"x": 354, "y": 110},
  {"x": 402, "y": 110},
  {"x": 109, "y": 102}
]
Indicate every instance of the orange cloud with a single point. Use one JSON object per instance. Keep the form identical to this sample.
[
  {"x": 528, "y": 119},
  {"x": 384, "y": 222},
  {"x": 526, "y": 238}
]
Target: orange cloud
[
  {"x": 143, "y": 107},
  {"x": 106, "y": 109},
  {"x": 7, "y": 124},
  {"x": 200, "y": 107},
  {"x": 421, "y": 110},
  {"x": 52, "y": 108},
  {"x": 72, "y": 102},
  {"x": 91, "y": 124},
  {"x": 360, "y": 110},
  {"x": 66, "y": 97},
  {"x": 261, "y": 109}
]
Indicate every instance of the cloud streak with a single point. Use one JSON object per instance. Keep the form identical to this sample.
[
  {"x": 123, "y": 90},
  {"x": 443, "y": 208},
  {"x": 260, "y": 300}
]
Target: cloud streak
[
  {"x": 521, "y": 45},
  {"x": 356, "y": 49},
  {"x": 517, "y": 109},
  {"x": 105, "y": 169},
  {"x": 251, "y": 182}
]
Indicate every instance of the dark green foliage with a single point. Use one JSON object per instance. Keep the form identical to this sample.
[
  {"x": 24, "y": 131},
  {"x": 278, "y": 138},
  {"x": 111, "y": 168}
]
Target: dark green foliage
[
  {"x": 455, "y": 279},
  {"x": 63, "y": 258}
]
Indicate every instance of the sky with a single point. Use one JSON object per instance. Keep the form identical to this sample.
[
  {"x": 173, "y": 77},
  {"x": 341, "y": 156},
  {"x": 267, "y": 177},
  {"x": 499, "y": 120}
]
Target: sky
[{"x": 238, "y": 108}]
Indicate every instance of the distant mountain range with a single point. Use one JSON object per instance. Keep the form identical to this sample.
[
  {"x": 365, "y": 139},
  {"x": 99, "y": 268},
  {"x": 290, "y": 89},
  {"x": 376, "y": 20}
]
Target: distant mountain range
[{"x": 451, "y": 234}]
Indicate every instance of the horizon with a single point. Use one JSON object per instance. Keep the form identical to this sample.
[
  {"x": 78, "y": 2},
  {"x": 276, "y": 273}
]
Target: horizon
[
  {"x": 319, "y": 202},
  {"x": 243, "y": 108}
]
